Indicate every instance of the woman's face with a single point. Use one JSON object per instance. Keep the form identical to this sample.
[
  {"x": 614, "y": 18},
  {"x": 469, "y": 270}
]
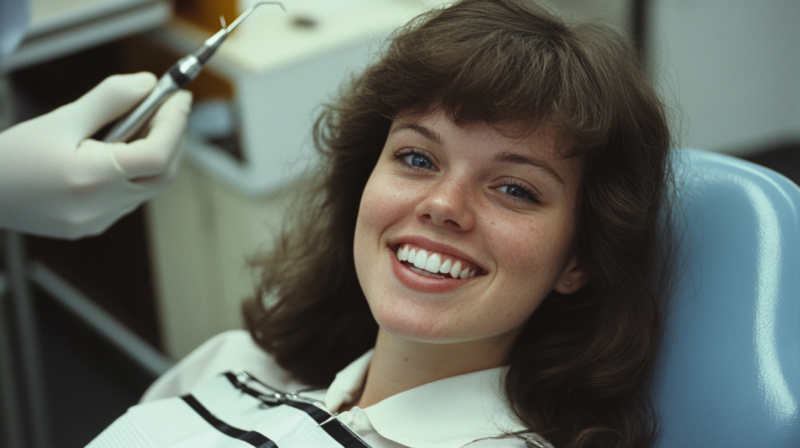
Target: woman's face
[{"x": 498, "y": 212}]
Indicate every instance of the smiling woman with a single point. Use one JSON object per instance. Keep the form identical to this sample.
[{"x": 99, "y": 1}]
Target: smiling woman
[
  {"x": 482, "y": 261},
  {"x": 489, "y": 199}
]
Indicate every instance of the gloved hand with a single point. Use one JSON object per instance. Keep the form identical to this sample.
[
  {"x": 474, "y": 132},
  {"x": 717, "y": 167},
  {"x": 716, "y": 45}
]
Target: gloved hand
[{"x": 56, "y": 181}]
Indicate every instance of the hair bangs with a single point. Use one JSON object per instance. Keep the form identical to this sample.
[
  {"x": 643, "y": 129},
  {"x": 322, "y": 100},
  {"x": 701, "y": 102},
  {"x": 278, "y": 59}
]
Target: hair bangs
[{"x": 515, "y": 77}]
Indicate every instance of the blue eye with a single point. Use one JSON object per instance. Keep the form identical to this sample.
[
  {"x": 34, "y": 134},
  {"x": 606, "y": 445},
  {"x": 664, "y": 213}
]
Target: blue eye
[
  {"x": 417, "y": 160},
  {"x": 519, "y": 193}
]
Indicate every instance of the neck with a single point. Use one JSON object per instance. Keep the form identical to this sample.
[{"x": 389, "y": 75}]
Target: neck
[{"x": 400, "y": 364}]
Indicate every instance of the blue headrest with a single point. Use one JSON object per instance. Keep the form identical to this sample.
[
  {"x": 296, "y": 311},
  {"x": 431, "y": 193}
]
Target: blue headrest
[{"x": 728, "y": 373}]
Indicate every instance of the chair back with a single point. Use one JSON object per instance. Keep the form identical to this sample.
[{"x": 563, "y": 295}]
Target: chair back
[{"x": 728, "y": 373}]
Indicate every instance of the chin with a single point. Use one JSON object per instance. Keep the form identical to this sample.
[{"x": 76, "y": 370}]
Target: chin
[
  {"x": 428, "y": 329},
  {"x": 420, "y": 329}
]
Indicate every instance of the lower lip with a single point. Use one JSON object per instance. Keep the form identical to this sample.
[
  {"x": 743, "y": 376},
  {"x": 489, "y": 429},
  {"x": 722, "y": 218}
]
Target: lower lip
[{"x": 421, "y": 282}]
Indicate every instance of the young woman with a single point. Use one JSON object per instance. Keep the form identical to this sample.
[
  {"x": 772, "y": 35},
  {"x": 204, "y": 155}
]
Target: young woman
[{"x": 482, "y": 261}]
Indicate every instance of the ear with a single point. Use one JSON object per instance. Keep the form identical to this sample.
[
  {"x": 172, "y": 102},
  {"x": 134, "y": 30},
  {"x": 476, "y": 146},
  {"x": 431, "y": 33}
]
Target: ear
[{"x": 572, "y": 278}]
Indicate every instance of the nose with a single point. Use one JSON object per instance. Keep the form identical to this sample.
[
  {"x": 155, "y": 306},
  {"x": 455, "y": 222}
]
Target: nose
[{"x": 447, "y": 205}]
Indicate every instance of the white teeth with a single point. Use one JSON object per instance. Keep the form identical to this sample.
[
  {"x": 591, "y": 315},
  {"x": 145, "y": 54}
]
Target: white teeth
[
  {"x": 456, "y": 269},
  {"x": 420, "y": 259},
  {"x": 402, "y": 254},
  {"x": 430, "y": 264},
  {"x": 433, "y": 263},
  {"x": 425, "y": 273}
]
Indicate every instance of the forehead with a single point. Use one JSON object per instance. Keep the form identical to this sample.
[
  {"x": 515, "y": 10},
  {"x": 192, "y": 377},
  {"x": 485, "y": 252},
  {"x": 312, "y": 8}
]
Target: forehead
[{"x": 437, "y": 124}]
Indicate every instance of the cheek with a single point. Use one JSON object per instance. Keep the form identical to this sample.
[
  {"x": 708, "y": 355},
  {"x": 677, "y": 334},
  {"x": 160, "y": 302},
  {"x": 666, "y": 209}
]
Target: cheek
[
  {"x": 533, "y": 252},
  {"x": 371, "y": 211},
  {"x": 385, "y": 202},
  {"x": 518, "y": 243},
  {"x": 364, "y": 225},
  {"x": 377, "y": 210}
]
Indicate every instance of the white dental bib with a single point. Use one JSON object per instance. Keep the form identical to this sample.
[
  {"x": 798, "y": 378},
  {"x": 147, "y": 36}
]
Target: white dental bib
[{"x": 463, "y": 411}]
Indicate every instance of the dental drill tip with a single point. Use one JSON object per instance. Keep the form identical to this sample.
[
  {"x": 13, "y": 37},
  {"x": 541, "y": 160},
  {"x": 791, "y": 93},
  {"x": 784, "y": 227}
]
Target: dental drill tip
[
  {"x": 249, "y": 11},
  {"x": 222, "y": 21}
]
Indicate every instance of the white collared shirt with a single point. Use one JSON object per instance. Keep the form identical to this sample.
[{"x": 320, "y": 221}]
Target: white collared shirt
[{"x": 449, "y": 413}]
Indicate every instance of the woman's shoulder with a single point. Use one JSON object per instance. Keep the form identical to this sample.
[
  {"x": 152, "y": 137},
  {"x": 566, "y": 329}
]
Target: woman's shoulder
[{"x": 233, "y": 351}]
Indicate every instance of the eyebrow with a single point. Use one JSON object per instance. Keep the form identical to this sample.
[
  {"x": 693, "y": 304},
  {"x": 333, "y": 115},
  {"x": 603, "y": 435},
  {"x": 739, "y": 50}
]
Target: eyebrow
[
  {"x": 422, "y": 130},
  {"x": 509, "y": 157},
  {"x": 505, "y": 157}
]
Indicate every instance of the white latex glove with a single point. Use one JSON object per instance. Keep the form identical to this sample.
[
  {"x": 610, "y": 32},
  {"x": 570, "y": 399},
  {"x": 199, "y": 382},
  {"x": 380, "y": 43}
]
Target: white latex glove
[{"x": 56, "y": 181}]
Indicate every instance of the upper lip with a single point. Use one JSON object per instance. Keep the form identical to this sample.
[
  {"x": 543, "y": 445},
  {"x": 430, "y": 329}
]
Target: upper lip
[{"x": 434, "y": 246}]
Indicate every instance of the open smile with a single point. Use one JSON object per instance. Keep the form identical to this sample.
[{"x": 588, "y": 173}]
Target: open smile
[
  {"x": 429, "y": 270},
  {"x": 434, "y": 264}
]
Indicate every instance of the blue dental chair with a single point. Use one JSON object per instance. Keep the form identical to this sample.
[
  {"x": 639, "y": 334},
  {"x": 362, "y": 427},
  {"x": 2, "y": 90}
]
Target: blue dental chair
[{"x": 728, "y": 374}]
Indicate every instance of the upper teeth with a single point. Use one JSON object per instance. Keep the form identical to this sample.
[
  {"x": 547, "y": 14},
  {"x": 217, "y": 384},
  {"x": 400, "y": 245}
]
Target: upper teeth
[{"x": 432, "y": 262}]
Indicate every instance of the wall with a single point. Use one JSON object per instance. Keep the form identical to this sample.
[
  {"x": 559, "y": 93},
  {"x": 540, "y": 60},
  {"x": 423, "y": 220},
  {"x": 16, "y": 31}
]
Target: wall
[
  {"x": 730, "y": 69},
  {"x": 614, "y": 13}
]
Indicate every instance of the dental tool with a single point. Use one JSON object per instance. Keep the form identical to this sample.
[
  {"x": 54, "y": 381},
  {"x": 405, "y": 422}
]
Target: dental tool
[{"x": 177, "y": 77}]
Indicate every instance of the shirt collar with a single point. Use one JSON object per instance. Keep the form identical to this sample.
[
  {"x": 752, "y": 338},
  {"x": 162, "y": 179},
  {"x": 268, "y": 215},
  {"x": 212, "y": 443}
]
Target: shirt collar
[{"x": 443, "y": 414}]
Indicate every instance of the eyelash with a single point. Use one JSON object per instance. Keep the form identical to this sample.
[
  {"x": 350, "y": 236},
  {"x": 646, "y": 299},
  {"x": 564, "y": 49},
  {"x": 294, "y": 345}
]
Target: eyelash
[
  {"x": 401, "y": 155},
  {"x": 405, "y": 152},
  {"x": 532, "y": 197}
]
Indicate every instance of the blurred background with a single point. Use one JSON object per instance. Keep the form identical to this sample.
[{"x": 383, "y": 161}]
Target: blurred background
[{"x": 112, "y": 312}]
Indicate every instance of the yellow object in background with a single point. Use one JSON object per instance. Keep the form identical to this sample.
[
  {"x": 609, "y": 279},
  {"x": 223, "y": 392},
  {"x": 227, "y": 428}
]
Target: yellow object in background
[{"x": 206, "y": 13}]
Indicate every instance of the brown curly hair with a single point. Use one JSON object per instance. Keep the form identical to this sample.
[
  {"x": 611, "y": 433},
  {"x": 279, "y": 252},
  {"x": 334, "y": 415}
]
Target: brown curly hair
[{"x": 578, "y": 371}]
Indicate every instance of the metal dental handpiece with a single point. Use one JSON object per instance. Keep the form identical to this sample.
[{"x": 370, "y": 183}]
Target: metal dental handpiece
[{"x": 177, "y": 77}]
